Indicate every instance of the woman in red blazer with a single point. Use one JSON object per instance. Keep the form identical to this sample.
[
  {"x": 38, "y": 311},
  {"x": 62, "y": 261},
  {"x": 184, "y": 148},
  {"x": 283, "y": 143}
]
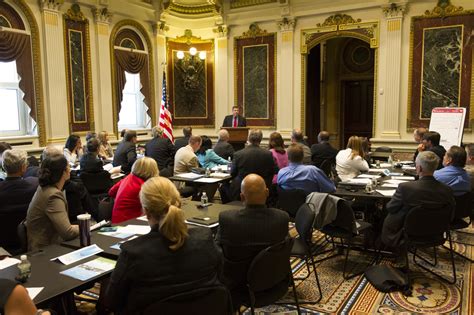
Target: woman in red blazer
[{"x": 127, "y": 204}]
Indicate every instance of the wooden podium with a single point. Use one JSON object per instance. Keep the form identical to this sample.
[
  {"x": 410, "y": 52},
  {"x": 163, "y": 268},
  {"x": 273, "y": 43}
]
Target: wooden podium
[{"x": 237, "y": 136}]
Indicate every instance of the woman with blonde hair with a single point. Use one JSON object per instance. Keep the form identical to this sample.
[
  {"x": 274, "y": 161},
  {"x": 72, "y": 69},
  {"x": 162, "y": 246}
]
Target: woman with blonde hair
[
  {"x": 350, "y": 162},
  {"x": 105, "y": 149},
  {"x": 171, "y": 259},
  {"x": 127, "y": 204}
]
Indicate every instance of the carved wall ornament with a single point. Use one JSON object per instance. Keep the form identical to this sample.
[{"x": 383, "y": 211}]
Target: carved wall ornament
[
  {"x": 102, "y": 15},
  {"x": 444, "y": 8},
  {"x": 286, "y": 24},
  {"x": 51, "y": 4},
  {"x": 221, "y": 30},
  {"x": 160, "y": 28},
  {"x": 189, "y": 38},
  {"x": 254, "y": 31},
  {"x": 338, "y": 19},
  {"x": 394, "y": 10},
  {"x": 75, "y": 13}
]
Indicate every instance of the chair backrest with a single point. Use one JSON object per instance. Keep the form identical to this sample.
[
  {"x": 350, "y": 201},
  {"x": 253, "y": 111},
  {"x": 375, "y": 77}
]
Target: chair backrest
[
  {"x": 304, "y": 221},
  {"x": 345, "y": 218},
  {"x": 427, "y": 224},
  {"x": 383, "y": 149},
  {"x": 96, "y": 183},
  {"x": 22, "y": 236},
  {"x": 327, "y": 166},
  {"x": 290, "y": 200},
  {"x": 262, "y": 278},
  {"x": 104, "y": 212},
  {"x": 203, "y": 301},
  {"x": 8, "y": 224},
  {"x": 463, "y": 206}
]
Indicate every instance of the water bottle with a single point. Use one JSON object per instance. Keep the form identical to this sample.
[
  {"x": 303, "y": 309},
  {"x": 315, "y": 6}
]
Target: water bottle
[
  {"x": 390, "y": 160},
  {"x": 229, "y": 165},
  {"x": 24, "y": 269},
  {"x": 369, "y": 189},
  {"x": 208, "y": 172},
  {"x": 204, "y": 199}
]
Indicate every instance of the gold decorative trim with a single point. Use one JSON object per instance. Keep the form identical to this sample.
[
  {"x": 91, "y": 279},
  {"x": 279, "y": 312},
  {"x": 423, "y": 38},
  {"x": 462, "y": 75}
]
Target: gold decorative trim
[
  {"x": 338, "y": 19},
  {"x": 189, "y": 38},
  {"x": 444, "y": 8},
  {"x": 247, "y": 3},
  {"x": 117, "y": 27},
  {"x": 75, "y": 14},
  {"x": 37, "y": 71},
  {"x": 195, "y": 9},
  {"x": 254, "y": 31}
]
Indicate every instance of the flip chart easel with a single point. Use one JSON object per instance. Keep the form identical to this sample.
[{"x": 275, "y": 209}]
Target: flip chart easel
[{"x": 449, "y": 123}]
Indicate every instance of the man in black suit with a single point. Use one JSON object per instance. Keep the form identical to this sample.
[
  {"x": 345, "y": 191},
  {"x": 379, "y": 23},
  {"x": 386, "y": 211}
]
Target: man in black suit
[
  {"x": 430, "y": 142},
  {"x": 182, "y": 142},
  {"x": 223, "y": 148},
  {"x": 162, "y": 151},
  {"x": 126, "y": 153},
  {"x": 244, "y": 233},
  {"x": 234, "y": 120},
  {"x": 16, "y": 193},
  {"x": 322, "y": 150},
  {"x": 252, "y": 159},
  {"x": 90, "y": 161},
  {"x": 426, "y": 191}
]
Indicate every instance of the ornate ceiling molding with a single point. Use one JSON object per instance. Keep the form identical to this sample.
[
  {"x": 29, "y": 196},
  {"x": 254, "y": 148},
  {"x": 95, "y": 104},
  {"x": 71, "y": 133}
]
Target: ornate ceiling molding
[
  {"x": 338, "y": 19},
  {"x": 235, "y": 4},
  {"x": 189, "y": 38},
  {"x": 444, "y": 8},
  {"x": 209, "y": 7}
]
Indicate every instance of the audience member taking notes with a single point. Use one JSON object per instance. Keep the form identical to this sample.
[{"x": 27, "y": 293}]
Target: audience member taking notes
[{"x": 350, "y": 162}]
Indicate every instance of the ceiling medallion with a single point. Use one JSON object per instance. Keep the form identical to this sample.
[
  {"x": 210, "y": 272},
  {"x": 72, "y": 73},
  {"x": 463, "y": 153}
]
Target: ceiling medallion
[{"x": 338, "y": 19}]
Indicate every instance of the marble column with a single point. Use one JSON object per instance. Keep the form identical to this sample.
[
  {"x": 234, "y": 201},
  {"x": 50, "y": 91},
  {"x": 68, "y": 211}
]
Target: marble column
[
  {"x": 223, "y": 104},
  {"x": 391, "y": 118},
  {"x": 56, "y": 111},
  {"x": 104, "y": 119},
  {"x": 285, "y": 77}
]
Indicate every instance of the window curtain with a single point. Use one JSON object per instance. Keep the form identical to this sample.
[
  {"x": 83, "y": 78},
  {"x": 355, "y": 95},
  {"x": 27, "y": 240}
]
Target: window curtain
[
  {"x": 133, "y": 63},
  {"x": 17, "y": 47}
]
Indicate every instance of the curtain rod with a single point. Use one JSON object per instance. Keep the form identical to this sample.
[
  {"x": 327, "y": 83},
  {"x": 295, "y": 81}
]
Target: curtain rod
[
  {"x": 131, "y": 50},
  {"x": 13, "y": 30}
]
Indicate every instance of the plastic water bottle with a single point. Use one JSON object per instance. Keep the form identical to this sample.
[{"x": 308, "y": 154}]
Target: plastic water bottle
[
  {"x": 24, "y": 269},
  {"x": 229, "y": 165},
  {"x": 208, "y": 172},
  {"x": 204, "y": 199},
  {"x": 390, "y": 160}
]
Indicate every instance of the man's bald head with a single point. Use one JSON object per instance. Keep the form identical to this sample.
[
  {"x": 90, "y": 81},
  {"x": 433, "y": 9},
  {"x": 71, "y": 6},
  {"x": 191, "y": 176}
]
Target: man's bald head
[{"x": 253, "y": 190}]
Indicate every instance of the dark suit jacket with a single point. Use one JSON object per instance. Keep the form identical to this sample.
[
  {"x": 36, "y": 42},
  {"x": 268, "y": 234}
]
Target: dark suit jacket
[
  {"x": 252, "y": 159},
  {"x": 229, "y": 119},
  {"x": 224, "y": 149},
  {"x": 180, "y": 142},
  {"x": 425, "y": 191},
  {"x": 91, "y": 163},
  {"x": 125, "y": 156},
  {"x": 322, "y": 151},
  {"x": 162, "y": 150},
  {"x": 439, "y": 151},
  {"x": 15, "y": 196},
  {"x": 148, "y": 271},
  {"x": 243, "y": 234}
]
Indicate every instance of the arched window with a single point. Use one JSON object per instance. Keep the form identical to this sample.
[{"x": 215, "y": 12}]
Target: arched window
[
  {"x": 19, "y": 75},
  {"x": 132, "y": 76}
]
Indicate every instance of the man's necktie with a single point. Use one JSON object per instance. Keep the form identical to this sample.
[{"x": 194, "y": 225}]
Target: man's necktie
[{"x": 235, "y": 122}]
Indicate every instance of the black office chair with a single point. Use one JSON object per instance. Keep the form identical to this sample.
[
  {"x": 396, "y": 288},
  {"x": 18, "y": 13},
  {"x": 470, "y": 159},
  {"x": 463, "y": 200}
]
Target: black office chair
[
  {"x": 105, "y": 208},
  {"x": 267, "y": 285},
  {"x": 290, "y": 200},
  {"x": 302, "y": 246},
  {"x": 22, "y": 234},
  {"x": 203, "y": 301},
  {"x": 97, "y": 184},
  {"x": 328, "y": 166},
  {"x": 8, "y": 229},
  {"x": 429, "y": 235}
]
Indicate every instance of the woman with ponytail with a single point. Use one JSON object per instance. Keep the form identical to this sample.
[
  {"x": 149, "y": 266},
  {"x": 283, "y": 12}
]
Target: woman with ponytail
[{"x": 171, "y": 259}]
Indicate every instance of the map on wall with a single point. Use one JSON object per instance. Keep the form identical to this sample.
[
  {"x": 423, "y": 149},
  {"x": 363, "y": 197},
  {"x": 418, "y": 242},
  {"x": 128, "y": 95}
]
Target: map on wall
[
  {"x": 442, "y": 51},
  {"x": 256, "y": 81}
]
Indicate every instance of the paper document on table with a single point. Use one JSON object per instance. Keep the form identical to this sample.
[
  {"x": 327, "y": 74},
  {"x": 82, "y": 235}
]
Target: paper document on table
[
  {"x": 388, "y": 185},
  {"x": 377, "y": 170},
  {"x": 396, "y": 174},
  {"x": 208, "y": 180},
  {"x": 359, "y": 181},
  {"x": 383, "y": 165},
  {"x": 7, "y": 262},
  {"x": 143, "y": 218},
  {"x": 204, "y": 225},
  {"x": 406, "y": 167},
  {"x": 219, "y": 168},
  {"x": 79, "y": 254},
  {"x": 220, "y": 175},
  {"x": 404, "y": 177},
  {"x": 406, "y": 162},
  {"x": 33, "y": 292},
  {"x": 108, "y": 167},
  {"x": 117, "y": 245},
  {"x": 386, "y": 193},
  {"x": 189, "y": 175},
  {"x": 394, "y": 181},
  {"x": 117, "y": 234},
  {"x": 116, "y": 175},
  {"x": 368, "y": 176},
  {"x": 135, "y": 229},
  {"x": 90, "y": 269}
]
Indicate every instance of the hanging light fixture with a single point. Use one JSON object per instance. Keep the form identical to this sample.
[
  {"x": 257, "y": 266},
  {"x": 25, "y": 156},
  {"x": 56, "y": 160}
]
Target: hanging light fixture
[
  {"x": 193, "y": 51},
  {"x": 202, "y": 55},
  {"x": 180, "y": 54}
]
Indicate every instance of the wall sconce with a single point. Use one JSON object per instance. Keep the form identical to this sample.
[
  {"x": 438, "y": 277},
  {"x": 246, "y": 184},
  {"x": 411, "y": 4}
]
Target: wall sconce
[{"x": 192, "y": 51}]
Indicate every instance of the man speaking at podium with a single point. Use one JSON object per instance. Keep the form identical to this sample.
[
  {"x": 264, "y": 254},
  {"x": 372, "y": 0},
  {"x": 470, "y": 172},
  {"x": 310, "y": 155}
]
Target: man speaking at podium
[{"x": 234, "y": 120}]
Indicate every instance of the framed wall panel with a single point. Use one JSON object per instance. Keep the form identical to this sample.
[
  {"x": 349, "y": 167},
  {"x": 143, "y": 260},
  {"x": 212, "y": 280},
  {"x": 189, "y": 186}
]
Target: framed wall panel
[
  {"x": 78, "y": 70},
  {"x": 440, "y": 62},
  {"x": 255, "y": 66}
]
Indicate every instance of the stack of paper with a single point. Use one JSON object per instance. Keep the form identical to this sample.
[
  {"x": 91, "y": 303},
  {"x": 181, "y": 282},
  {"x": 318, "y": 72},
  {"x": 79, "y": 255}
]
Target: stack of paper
[
  {"x": 377, "y": 170},
  {"x": 135, "y": 229},
  {"x": 404, "y": 177},
  {"x": 219, "y": 175},
  {"x": 7, "y": 262},
  {"x": 359, "y": 181},
  {"x": 386, "y": 193},
  {"x": 189, "y": 175},
  {"x": 369, "y": 176},
  {"x": 90, "y": 269},
  {"x": 208, "y": 180},
  {"x": 79, "y": 254}
]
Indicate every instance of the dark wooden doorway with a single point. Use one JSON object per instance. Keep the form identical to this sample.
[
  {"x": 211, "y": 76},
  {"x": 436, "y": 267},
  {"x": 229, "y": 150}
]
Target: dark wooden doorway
[{"x": 357, "y": 105}]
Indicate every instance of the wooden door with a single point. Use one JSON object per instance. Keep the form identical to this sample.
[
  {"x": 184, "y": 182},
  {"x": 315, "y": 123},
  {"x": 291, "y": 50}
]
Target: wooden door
[{"x": 358, "y": 105}]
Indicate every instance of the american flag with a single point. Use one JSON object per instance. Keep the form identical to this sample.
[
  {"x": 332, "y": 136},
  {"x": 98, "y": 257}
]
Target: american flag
[{"x": 165, "y": 122}]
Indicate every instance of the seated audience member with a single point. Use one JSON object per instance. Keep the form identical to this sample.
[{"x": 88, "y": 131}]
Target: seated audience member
[
  {"x": 182, "y": 142},
  {"x": 162, "y": 150},
  {"x": 323, "y": 150},
  {"x": 430, "y": 142},
  {"x": 90, "y": 161},
  {"x": 453, "y": 173},
  {"x": 127, "y": 204},
  {"x": 185, "y": 158},
  {"x": 105, "y": 149},
  {"x": 426, "y": 191},
  {"x": 277, "y": 148},
  {"x": 89, "y": 135},
  {"x": 171, "y": 259},
  {"x": 47, "y": 218},
  {"x": 366, "y": 148},
  {"x": 252, "y": 159},
  {"x": 470, "y": 163},
  {"x": 207, "y": 157},
  {"x": 126, "y": 153},
  {"x": 3, "y": 146},
  {"x": 418, "y": 137},
  {"x": 14, "y": 300},
  {"x": 223, "y": 148},
  {"x": 350, "y": 162},
  {"x": 305, "y": 177},
  {"x": 297, "y": 137},
  {"x": 16, "y": 193},
  {"x": 244, "y": 233},
  {"x": 73, "y": 149}
]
